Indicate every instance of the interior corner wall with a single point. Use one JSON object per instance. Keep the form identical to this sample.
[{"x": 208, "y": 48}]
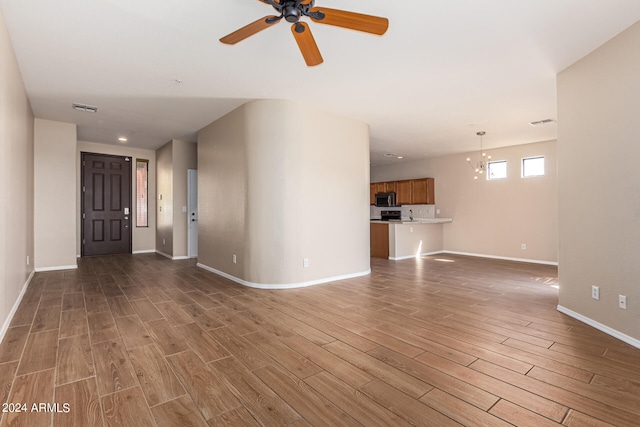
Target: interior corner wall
[
  {"x": 185, "y": 157},
  {"x": 164, "y": 185},
  {"x": 16, "y": 176},
  {"x": 143, "y": 239},
  {"x": 55, "y": 195},
  {"x": 291, "y": 190},
  {"x": 492, "y": 218},
  {"x": 599, "y": 185}
]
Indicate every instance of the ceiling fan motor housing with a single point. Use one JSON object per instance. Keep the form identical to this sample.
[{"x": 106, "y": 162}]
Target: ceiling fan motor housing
[{"x": 291, "y": 13}]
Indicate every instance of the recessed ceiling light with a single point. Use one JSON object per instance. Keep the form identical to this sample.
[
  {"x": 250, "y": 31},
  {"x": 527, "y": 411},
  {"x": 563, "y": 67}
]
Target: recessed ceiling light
[
  {"x": 177, "y": 81},
  {"x": 400, "y": 157},
  {"x": 122, "y": 139},
  {"x": 389, "y": 155}
]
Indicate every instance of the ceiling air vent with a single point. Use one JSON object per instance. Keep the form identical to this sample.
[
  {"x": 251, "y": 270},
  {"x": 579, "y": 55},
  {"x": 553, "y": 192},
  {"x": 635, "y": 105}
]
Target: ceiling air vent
[
  {"x": 85, "y": 108},
  {"x": 542, "y": 122}
]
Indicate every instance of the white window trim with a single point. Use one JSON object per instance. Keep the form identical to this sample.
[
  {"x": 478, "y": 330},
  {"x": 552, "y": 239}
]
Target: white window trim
[
  {"x": 489, "y": 168},
  {"x": 522, "y": 175}
]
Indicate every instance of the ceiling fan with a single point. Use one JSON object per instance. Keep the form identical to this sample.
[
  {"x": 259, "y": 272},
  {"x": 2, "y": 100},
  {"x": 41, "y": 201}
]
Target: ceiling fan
[{"x": 293, "y": 10}]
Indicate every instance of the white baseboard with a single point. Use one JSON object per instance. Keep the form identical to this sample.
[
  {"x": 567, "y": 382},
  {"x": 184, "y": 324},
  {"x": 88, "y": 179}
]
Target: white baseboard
[
  {"x": 414, "y": 256},
  {"x": 163, "y": 254},
  {"x": 171, "y": 257},
  {"x": 532, "y": 261},
  {"x": 146, "y": 251},
  {"x": 282, "y": 285},
  {"x": 599, "y": 326},
  {"x": 12, "y": 313},
  {"x": 56, "y": 268}
]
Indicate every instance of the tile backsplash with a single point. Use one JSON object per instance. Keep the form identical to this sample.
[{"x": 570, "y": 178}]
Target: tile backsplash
[{"x": 419, "y": 211}]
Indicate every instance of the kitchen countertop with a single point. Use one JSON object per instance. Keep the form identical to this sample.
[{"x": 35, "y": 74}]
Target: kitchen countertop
[{"x": 415, "y": 221}]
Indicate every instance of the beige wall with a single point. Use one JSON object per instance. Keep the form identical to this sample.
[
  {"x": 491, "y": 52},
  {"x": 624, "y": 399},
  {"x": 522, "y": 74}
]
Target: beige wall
[
  {"x": 274, "y": 194},
  {"x": 222, "y": 194},
  {"x": 143, "y": 238},
  {"x": 164, "y": 182},
  {"x": 16, "y": 183},
  {"x": 411, "y": 240},
  {"x": 599, "y": 185},
  {"x": 491, "y": 218},
  {"x": 55, "y": 195}
]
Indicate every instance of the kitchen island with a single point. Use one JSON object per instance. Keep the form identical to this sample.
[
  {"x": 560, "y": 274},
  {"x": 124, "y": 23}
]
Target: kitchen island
[{"x": 398, "y": 240}]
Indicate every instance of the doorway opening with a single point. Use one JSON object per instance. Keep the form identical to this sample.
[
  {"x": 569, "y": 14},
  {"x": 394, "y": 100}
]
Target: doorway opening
[{"x": 192, "y": 217}]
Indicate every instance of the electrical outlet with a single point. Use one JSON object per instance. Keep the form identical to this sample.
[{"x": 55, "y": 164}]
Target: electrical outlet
[
  {"x": 305, "y": 262},
  {"x": 235, "y": 259},
  {"x": 595, "y": 292},
  {"x": 524, "y": 246},
  {"x": 622, "y": 302}
]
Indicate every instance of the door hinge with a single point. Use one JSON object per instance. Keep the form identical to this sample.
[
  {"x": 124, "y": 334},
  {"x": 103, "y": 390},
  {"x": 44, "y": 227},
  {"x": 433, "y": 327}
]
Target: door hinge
[
  {"x": 83, "y": 189},
  {"x": 83, "y": 217},
  {"x": 126, "y": 159},
  {"x": 83, "y": 241},
  {"x": 84, "y": 163}
]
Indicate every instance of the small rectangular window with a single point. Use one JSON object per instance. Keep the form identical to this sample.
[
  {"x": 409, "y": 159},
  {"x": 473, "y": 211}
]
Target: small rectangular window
[
  {"x": 142, "y": 199},
  {"x": 497, "y": 169},
  {"x": 533, "y": 166}
]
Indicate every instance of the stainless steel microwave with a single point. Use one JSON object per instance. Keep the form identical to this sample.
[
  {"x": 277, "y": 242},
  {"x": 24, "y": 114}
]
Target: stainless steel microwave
[{"x": 385, "y": 199}]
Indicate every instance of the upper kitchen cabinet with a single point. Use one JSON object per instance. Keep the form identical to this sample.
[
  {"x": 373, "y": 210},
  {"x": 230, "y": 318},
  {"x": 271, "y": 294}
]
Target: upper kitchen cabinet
[
  {"x": 422, "y": 191},
  {"x": 380, "y": 187},
  {"x": 403, "y": 192},
  {"x": 375, "y": 188},
  {"x": 408, "y": 192},
  {"x": 389, "y": 187}
]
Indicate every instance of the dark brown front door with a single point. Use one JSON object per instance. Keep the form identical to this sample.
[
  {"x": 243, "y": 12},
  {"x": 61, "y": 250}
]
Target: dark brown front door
[{"x": 106, "y": 204}]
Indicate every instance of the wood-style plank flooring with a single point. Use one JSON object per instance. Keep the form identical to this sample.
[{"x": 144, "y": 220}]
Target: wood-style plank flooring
[{"x": 440, "y": 341}]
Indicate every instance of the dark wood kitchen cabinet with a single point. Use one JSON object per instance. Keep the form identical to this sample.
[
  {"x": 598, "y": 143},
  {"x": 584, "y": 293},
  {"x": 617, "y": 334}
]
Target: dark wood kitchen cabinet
[
  {"x": 422, "y": 191},
  {"x": 408, "y": 192},
  {"x": 379, "y": 236},
  {"x": 403, "y": 192}
]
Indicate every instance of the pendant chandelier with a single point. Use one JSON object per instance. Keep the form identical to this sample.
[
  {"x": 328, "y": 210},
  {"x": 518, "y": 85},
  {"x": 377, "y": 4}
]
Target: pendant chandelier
[{"x": 483, "y": 160}]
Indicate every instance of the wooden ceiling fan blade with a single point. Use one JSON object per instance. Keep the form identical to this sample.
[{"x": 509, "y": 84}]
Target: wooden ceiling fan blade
[
  {"x": 352, "y": 20},
  {"x": 251, "y": 29},
  {"x": 307, "y": 44}
]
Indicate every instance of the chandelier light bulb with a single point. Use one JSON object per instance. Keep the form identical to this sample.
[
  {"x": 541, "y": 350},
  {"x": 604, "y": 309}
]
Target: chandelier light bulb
[{"x": 481, "y": 165}]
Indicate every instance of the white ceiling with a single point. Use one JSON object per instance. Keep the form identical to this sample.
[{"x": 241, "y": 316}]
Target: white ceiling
[{"x": 443, "y": 71}]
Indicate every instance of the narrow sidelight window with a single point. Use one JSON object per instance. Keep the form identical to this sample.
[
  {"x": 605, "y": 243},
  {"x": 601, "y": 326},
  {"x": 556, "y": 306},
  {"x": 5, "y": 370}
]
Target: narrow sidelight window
[{"x": 142, "y": 200}]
